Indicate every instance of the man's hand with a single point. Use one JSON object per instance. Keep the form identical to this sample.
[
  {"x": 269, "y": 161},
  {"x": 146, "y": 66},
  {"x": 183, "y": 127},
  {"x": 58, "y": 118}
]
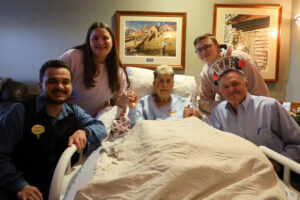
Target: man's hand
[
  {"x": 79, "y": 139},
  {"x": 29, "y": 193},
  {"x": 132, "y": 99},
  {"x": 191, "y": 112}
]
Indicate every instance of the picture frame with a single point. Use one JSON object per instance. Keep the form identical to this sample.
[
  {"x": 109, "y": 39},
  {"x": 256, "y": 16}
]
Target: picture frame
[
  {"x": 148, "y": 39},
  {"x": 254, "y": 29}
]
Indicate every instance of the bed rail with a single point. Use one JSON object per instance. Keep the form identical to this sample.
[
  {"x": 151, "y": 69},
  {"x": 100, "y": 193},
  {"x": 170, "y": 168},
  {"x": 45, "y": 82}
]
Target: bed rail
[
  {"x": 64, "y": 164},
  {"x": 287, "y": 163}
]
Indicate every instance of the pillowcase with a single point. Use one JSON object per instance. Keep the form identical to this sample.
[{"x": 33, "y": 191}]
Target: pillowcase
[
  {"x": 141, "y": 82},
  {"x": 186, "y": 87}
]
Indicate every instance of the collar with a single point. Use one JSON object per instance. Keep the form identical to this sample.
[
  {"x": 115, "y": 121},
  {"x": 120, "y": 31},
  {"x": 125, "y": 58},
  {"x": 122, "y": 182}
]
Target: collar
[
  {"x": 209, "y": 69},
  {"x": 41, "y": 105},
  {"x": 246, "y": 101}
]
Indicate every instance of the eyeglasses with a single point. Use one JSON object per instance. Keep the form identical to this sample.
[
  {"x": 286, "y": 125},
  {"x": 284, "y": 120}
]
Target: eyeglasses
[{"x": 205, "y": 47}]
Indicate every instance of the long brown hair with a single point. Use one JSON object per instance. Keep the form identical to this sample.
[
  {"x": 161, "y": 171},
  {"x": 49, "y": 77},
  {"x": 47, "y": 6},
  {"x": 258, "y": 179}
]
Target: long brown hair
[{"x": 112, "y": 61}]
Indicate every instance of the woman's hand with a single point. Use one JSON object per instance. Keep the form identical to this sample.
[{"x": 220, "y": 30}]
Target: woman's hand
[
  {"x": 132, "y": 99},
  {"x": 191, "y": 112}
]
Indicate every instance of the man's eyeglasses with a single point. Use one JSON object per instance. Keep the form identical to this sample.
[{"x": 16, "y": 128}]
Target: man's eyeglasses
[{"x": 205, "y": 47}]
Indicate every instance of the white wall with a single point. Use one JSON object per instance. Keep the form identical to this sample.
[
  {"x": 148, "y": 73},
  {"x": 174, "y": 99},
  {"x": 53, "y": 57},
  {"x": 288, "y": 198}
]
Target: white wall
[
  {"x": 293, "y": 91},
  {"x": 35, "y": 31}
]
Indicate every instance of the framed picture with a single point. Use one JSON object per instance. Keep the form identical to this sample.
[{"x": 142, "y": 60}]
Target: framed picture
[
  {"x": 254, "y": 29},
  {"x": 149, "y": 39}
]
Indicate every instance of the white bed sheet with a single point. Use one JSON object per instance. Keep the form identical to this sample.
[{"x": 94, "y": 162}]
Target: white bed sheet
[{"x": 183, "y": 159}]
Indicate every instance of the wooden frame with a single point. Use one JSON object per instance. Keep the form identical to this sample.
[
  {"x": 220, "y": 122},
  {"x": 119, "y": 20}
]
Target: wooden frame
[
  {"x": 149, "y": 39},
  {"x": 254, "y": 29}
]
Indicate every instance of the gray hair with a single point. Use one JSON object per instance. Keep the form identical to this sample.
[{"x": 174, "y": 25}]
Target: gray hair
[
  {"x": 239, "y": 72},
  {"x": 163, "y": 69}
]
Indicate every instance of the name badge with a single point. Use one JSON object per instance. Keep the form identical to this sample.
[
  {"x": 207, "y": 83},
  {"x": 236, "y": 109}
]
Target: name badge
[
  {"x": 38, "y": 130},
  {"x": 172, "y": 112}
]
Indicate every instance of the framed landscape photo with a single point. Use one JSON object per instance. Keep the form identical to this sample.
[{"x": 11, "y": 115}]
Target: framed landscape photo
[
  {"x": 254, "y": 29},
  {"x": 149, "y": 39}
]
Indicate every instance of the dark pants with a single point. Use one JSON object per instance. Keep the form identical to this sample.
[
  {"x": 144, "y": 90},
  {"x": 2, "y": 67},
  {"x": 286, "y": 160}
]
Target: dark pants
[
  {"x": 294, "y": 177},
  {"x": 295, "y": 180},
  {"x": 5, "y": 195}
]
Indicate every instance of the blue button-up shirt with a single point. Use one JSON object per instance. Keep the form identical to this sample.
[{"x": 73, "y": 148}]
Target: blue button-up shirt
[
  {"x": 261, "y": 120},
  {"x": 11, "y": 131}
]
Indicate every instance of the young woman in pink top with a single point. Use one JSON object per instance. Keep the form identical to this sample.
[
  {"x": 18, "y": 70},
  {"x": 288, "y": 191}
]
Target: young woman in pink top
[{"x": 99, "y": 79}]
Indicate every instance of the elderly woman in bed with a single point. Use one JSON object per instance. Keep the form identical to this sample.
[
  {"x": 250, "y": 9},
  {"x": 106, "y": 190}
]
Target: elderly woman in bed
[{"x": 162, "y": 104}]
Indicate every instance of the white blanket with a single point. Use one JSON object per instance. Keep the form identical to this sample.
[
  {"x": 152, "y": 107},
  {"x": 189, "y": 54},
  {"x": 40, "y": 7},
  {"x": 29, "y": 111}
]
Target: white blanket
[{"x": 182, "y": 159}]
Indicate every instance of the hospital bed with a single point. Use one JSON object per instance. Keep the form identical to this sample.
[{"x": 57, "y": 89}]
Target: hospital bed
[
  {"x": 234, "y": 170},
  {"x": 248, "y": 173}
]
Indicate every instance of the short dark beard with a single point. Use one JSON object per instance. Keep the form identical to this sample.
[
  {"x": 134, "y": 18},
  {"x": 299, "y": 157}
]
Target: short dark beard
[{"x": 53, "y": 101}]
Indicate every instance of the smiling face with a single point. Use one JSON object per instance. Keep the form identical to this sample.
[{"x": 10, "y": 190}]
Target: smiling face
[
  {"x": 233, "y": 88},
  {"x": 207, "y": 51},
  {"x": 101, "y": 43},
  {"x": 163, "y": 85},
  {"x": 56, "y": 85}
]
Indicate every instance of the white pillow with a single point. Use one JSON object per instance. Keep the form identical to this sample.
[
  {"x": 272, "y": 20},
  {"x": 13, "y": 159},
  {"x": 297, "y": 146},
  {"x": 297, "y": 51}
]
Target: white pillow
[
  {"x": 141, "y": 81},
  {"x": 186, "y": 87}
]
